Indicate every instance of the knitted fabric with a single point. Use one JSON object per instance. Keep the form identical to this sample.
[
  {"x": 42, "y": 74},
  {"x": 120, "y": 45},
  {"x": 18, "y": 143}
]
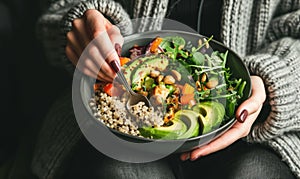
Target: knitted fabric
[
  {"x": 264, "y": 32},
  {"x": 56, "y": 141}
]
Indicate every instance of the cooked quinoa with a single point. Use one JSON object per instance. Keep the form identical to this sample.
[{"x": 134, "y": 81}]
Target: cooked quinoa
[{"x": 111, "y": 112}]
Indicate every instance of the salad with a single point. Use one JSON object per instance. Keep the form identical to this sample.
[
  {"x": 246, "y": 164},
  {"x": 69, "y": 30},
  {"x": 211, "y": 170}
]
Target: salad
[{"x": 190, "y": 83}]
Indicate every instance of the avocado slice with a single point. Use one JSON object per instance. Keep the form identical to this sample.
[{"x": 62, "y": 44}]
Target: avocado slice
[
  {"x": 211, "y": 115},
  {"x": 154, "y": 62},
  {"x": 190, "y": 118},
  {"x": 128, "y": 68},
  {"x": 184, "y": 125},
  {"x": 173, "y": 131}
]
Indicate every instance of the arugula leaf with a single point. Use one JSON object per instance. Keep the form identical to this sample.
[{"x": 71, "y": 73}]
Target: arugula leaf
[
  {"x": 176, "y": 41},
  {"x": 198, "y": 58},
  {"x": 165, "y": 43}
]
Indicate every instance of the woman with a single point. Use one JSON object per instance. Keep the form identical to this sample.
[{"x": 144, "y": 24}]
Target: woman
[{"x": 265, "y": 33}]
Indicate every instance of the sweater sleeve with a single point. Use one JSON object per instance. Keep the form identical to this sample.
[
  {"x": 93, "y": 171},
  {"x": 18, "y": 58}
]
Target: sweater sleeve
[
  {"x": 56, "y": 21},
  {"x": 279, "y": 67},
  {"x": 278, "y": 63}
]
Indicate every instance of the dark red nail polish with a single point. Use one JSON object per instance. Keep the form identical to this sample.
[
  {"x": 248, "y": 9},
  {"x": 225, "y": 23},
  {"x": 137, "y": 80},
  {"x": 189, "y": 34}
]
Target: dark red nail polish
[
  {"x": 118, "y": 49},
  {"x": 243, "y": 116}
]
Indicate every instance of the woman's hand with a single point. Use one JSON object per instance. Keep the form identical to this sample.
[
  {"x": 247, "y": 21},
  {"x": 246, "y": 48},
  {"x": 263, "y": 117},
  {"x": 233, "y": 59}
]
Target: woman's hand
[
  {"x": 246, "y": 114},
  {"x": 91, "y": 44}
]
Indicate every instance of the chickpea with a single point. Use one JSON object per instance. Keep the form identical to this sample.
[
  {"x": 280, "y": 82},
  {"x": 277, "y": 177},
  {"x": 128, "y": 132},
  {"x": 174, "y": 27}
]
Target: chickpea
[
  {"x": 200, "y": 42},
  {"x": 212, "y": 83},
  {"x": 169, "y": 80},
  {"x": 159, "y": 78},
  {"x": 176, "y": 75},
  {"x": 206, "y": 43}
]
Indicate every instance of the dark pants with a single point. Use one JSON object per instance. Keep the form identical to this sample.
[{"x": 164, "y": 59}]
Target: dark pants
[{"x": 240, "y": 160}]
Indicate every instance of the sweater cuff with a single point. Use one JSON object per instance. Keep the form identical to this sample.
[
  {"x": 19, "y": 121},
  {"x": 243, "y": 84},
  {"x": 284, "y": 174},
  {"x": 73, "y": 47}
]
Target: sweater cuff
[
  {"x": 279, "y": 67},
  {"x": 108, "y": 8}
]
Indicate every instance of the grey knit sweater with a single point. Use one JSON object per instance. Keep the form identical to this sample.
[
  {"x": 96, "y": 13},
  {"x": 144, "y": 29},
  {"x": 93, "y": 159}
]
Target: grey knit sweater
[{"x": 265, "y": 33}]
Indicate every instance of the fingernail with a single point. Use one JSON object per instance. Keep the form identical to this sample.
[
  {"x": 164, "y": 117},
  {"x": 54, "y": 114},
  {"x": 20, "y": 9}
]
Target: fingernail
[
  {"x": 187, "y": 157},
  {"x": 118, "y": 49},
  {"x": 194, "y": 158},
  {"x": 243, "y": 116}
]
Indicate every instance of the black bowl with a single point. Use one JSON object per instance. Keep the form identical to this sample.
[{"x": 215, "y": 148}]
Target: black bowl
[{"x": 234, "y": 62}]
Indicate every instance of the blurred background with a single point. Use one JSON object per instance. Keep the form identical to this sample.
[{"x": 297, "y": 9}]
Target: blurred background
[{"x": 28, "y": 86}]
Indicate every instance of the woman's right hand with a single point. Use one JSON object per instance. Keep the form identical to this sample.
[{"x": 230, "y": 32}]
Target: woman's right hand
[{"x": 91, "y": 45}]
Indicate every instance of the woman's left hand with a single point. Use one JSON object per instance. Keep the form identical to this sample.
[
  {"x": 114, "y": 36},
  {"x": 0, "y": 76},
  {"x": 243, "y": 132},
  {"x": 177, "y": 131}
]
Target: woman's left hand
[{"x": 246, "y": 114}]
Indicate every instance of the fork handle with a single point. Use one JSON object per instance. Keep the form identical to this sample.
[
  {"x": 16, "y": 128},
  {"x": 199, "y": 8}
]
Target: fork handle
[{"x": 116, "y": 67}]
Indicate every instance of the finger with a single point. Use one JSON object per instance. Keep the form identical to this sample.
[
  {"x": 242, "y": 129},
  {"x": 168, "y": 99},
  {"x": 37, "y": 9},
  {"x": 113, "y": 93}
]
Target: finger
[
  {"x": 106, "y": 69},
  {"x": 80, "y": 30},
  {"x": 102, "y": 77},
  {"x": 93, "y": 53},
  {"x": 107, "y": 24},
  {"x": 115, "y": 35},
  {"x": 96, "y": 23},
  {"x": 118, "y": 49},
  {"x": 98, "y": 30},
  {"x": 237, "y": 131},
  {"x": 98, "y": 26},
  {"x": 254, "y": 102},
  {"x": 74, "y": 43},
  {"x": 84, "y": 64},
  {"x": 220, "y": 143},
  {"x": 185, "y": 156},
  {"x": 105, "y": 47},
  {"x": 88, "y": 71},
  {"x": 71, "y": 54},
  {"x": 88, "y": 63},
  {"x": 116, "y": 38},
  {"x": 107, "y": 51}
]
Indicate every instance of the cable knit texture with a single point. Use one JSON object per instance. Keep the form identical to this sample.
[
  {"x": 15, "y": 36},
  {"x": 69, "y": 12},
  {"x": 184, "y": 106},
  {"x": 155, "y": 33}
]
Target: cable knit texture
[{"x": 264, "y": 32}]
